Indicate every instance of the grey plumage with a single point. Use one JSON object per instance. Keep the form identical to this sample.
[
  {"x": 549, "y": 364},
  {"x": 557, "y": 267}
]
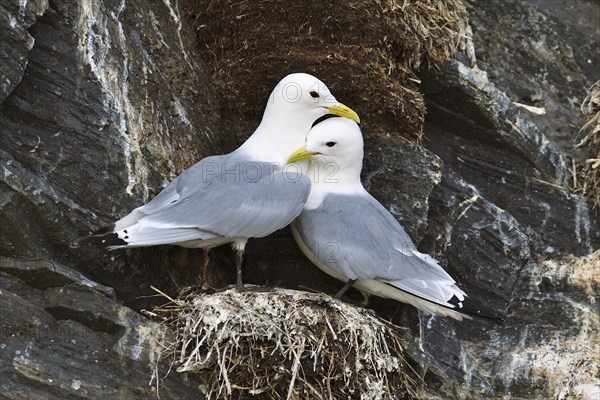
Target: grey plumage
[
  {"x": 358, "y": 238},
  {"x": 219, "y": 198},
  {"x": 351, "y": 236},
  {"x": 366, "y": 240}
]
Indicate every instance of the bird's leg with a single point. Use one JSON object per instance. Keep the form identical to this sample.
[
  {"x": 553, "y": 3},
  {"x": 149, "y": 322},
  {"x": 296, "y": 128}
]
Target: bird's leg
[
  {"x": 343, "y": 290},
  {"x": 239, "y": 284},
  {"x": 239, "y": 255}
]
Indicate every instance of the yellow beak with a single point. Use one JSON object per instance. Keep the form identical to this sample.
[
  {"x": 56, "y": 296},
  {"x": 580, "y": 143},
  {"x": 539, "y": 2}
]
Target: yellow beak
[
  {"x": 300, "y": 154},
  {"x": 344, "y": 111}
]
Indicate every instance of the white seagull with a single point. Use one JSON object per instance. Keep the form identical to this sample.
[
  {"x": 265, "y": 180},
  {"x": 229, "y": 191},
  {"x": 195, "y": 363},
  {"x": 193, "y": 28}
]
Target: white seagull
[
  {"x": 244, "y": 194},
  {"x": 349, "y": 235}
]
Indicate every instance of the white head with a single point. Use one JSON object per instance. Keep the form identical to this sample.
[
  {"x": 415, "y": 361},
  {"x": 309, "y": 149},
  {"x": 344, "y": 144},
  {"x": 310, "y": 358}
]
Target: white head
[
  {"x": 295, "y": 104},
  {"x": 334, "y": 144},
  {"x": 304, "y": 97}
]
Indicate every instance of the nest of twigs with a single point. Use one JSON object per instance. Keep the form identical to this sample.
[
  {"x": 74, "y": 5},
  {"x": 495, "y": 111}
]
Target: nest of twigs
[
  {"x": 284, "y": 344},
  {"x": 366, "y": 51},
  {"x": 586, "y": 175}
]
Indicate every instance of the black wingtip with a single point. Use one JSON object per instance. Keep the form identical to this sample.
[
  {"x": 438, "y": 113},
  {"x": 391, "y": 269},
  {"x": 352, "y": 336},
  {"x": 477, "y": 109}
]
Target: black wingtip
[
  {"x": 83, "y": 240},
  {"x": 474, "y": 308},
  {"x": 103, "y": 237},
  {"x": 105, "y": 230}
]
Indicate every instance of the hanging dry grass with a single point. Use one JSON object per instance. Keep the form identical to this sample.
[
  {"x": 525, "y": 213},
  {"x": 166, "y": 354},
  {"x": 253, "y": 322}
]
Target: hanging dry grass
[
  {"x": 366, "y": 51},
  {"x": 586, "y": 175},
  {"x": 284, "y": 344}
]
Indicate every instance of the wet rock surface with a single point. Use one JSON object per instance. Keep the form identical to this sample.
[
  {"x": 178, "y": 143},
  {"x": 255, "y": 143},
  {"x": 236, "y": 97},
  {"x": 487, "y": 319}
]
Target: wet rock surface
[
  {"x": 109, "y": 109},
  {"x": 499, "y": 213},
  {"x": 488, "y": 142},
  {"x": 75, "y": 342},
  {"x": 16, "y": 18},
  {"x": 542, "y": 54},
  {"x": 101, "y": 103}
]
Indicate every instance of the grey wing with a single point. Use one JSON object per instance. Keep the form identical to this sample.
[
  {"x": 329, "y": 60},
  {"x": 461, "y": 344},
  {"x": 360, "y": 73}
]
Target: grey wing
[
  {"x": 365, "y": 241},
  {"x": 198, "y": 176},
  {"x": 243, "y": 208}
]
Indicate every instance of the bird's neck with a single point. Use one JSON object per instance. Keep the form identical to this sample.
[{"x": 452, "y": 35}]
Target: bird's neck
[
  {"x": 277, "y": 137},
  {"x": 329, "y": 178}
]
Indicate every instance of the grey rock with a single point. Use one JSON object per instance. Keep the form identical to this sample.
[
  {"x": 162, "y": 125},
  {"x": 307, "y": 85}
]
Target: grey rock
[
  {"x": 501, "y": 207},
  {"x": 43, "y": 274},
  {"x": 16, "y": 17},
  {"x": 480, "y": 134},
  {"x": 542, "y": 54},
  {"x": 61, "y": 358},
  {"x": 481, "y": 245},
  {"x": 499, "y": 210},
  {"x": 96, "y": 85},
  {"x": 79, "y": 303},
  {"x": 109, "y": 109}
]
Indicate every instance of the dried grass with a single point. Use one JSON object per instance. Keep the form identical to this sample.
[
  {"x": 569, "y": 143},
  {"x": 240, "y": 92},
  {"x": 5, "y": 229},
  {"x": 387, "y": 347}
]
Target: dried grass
[
  {"x": 586, "y": 175},
  {"x": 366, "y": 51},
  {"x": 284, "y": 344}
]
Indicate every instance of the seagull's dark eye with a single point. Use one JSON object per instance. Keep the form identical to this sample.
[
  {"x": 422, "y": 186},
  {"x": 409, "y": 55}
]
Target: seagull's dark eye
[
  {"x": 314, "y": 94},
  {"x": 330, "y": 144}
]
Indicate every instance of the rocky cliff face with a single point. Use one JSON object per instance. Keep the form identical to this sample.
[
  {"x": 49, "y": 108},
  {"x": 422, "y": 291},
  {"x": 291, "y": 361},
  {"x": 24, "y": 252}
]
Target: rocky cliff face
[{"x": 102, "y": 102}]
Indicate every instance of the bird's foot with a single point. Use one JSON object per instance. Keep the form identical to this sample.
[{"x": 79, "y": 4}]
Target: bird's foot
[
  {"x": 239, "y": 287},
  {"x": 254, "y": 289},
  {"x": 309, "y": 289}
]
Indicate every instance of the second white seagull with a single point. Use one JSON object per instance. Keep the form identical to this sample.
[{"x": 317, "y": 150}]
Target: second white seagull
[{"x": 349, "y": 235}]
